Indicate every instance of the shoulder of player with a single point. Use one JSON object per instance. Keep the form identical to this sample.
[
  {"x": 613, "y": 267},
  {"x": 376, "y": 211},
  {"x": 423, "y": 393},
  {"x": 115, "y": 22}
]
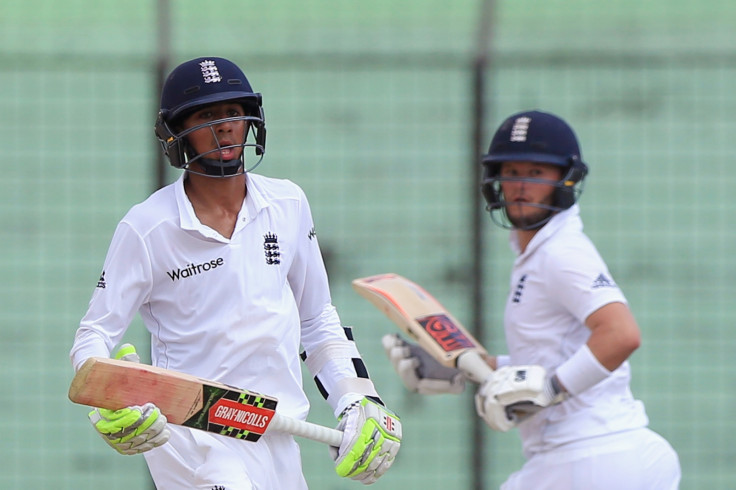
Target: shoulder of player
[
  {"x": 272, "y": 188},
  {"x": 568, "y": 252},
  {"x": 157, "y": 208}
]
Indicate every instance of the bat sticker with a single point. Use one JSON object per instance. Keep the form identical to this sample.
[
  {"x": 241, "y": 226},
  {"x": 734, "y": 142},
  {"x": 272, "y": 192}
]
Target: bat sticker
[
  {"x": 189, "y": 401},
  {"x": 444, "y": 331}
]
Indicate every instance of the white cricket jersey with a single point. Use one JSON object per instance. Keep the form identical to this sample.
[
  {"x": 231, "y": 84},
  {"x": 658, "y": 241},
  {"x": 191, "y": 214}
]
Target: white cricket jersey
[
  {"x": 557, "y": 282},
  {"x": 233, "y": 310}
]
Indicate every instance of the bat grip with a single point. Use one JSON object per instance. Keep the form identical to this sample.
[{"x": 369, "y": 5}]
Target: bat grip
[
  {"x": 301, "y": 428},
  {"x": 473, "y": 365}
]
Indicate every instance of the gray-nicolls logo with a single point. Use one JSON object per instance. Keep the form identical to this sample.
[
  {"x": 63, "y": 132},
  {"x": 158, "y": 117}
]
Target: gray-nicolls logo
[
  {"x": 210, "y": 73},
  {"x": 271, "y": 248}
]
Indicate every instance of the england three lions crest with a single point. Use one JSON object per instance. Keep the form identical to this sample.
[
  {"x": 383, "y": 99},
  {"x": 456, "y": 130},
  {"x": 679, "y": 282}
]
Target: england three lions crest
[{"x": 271, "y": 248}]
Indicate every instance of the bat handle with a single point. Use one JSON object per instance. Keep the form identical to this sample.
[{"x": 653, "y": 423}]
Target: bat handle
[
  {"x": 473, "y": 365},
  {"x": 301, "y": 428}
]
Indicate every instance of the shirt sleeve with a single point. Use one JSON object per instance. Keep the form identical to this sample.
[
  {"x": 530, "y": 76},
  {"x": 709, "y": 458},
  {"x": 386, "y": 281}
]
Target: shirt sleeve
[
  {"x": 329, "y": 348},
  {"x": 309, "y": 284},
  {"x": 582, "y": 281},
  {"x": 124, "y": 285}
]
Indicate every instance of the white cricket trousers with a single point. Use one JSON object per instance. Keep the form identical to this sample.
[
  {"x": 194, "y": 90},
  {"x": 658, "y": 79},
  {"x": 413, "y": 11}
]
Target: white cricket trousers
[
  {"x": 197, "y": 460},
  {"x": 637, "y": 459}
]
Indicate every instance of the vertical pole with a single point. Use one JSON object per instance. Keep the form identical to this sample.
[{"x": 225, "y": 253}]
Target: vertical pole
[
  {"x": 479, "y": 298},
  {"x": 160, "y": 70}
]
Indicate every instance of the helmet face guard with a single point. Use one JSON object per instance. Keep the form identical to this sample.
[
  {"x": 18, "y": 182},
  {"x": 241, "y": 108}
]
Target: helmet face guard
[
  {"x": 567, "y": 191},
  {"x": 535, "y": 137},
  {"x": 199, "y": 83},
  {"x": 176, "y": 147}
]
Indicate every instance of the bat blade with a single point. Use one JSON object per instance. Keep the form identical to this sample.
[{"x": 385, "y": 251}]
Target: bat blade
[
  {"x": 422, "y": 317},
  {"x": 188, "y": 400}
]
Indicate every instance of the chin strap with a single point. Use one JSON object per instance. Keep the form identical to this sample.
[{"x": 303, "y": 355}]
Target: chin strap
[{"x": 221, "y": 168}]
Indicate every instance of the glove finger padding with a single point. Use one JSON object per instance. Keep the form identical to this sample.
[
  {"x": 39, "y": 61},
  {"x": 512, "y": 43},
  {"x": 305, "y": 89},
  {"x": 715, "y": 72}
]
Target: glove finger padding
[
  {"x": 492, "y": 412},
  {"x": 135, "y": 429},
  {"x": 127, "y": 352},
  {"x": 131, "y": 430},
  {"x": 528, "y": 389},
  {"x": 514, "y": 393},
  {"x": 371, "y": 440},
  {"x": 419, "y": 371}
]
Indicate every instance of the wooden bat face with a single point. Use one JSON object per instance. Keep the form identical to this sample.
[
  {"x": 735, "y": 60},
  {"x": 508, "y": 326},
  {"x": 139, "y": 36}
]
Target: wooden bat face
[
  {"x": 420, "y": 315},
  {"x": 185, "y": 400}
]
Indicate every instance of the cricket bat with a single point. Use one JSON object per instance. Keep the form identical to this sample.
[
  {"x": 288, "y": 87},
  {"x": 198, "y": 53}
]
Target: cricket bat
[
  {"x": 425, "y": 320},
  {"x": 188, "y": 400}
]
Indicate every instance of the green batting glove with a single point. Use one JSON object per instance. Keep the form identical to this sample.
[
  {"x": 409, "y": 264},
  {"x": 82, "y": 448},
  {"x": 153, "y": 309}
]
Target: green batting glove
[
  {"x": 131, "y": 430},
  {"x": 127, "y": 353},
  {"x": 372, "y": 437}
]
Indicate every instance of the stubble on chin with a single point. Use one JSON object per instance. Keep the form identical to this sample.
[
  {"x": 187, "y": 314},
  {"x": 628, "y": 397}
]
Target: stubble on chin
[{"x": 526, "y": 215}]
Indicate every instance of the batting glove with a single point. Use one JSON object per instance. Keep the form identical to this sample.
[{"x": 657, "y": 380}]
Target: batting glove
[
  {"x": 514, "y": 393},
  {"x": 371, "y": 440},
  {"x": 419, "y": 371},
  {"x": 131, "y": 430}
]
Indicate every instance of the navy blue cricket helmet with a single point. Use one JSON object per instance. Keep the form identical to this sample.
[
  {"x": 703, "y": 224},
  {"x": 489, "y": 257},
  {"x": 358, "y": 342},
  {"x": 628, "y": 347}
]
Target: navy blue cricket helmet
[
  {"x": 533, "y": 136},
  {"x": 196, "y": 84}
]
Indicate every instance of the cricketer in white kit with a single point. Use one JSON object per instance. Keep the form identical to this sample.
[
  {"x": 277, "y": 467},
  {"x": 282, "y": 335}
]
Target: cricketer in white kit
[
  {"x": 586, "y": 441},
  {"x": 569, "y": 332},
  {"x": 243, "y": 307}
]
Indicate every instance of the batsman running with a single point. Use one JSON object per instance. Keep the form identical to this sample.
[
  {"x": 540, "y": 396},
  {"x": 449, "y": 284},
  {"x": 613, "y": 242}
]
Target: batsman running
[
  {"x": 225, "y": 270},
  {"x": 569, "y": 331}
]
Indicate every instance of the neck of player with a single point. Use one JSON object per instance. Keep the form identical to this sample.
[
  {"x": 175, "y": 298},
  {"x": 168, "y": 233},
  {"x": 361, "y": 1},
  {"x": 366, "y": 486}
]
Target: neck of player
[{"x": 216, "y": 201}]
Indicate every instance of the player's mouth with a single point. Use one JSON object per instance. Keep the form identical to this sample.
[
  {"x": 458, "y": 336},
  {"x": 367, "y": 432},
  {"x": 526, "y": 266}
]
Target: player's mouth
[
  {"x": 518, "y": 205},
  {"x": 227, "y": 151}
]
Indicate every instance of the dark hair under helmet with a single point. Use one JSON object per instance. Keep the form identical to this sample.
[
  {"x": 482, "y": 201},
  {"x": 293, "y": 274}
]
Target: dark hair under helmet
[
  {"x": 540, "y": 137},
  {"x": 198, "y": 83}
]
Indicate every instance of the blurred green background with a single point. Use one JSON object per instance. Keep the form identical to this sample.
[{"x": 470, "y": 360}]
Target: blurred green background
[{"x": 369, "y": 107}]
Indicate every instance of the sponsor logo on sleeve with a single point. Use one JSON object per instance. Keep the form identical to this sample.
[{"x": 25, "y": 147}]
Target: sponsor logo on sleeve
[
  {"x": 602, "y": 281},
  {"x": 101, "y": 281}
]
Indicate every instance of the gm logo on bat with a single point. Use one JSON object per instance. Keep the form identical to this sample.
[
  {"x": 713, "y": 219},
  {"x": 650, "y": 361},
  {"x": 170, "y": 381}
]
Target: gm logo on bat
[{"x": 444, "y": 331}]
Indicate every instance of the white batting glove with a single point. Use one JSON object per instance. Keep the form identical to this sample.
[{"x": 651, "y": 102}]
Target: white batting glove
[
  {"x": 371, "y": 440},
  {"x": 419, "y": 371},
  {"x": 131, "y": 430},
  {"x": 513, "y": 393}
]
